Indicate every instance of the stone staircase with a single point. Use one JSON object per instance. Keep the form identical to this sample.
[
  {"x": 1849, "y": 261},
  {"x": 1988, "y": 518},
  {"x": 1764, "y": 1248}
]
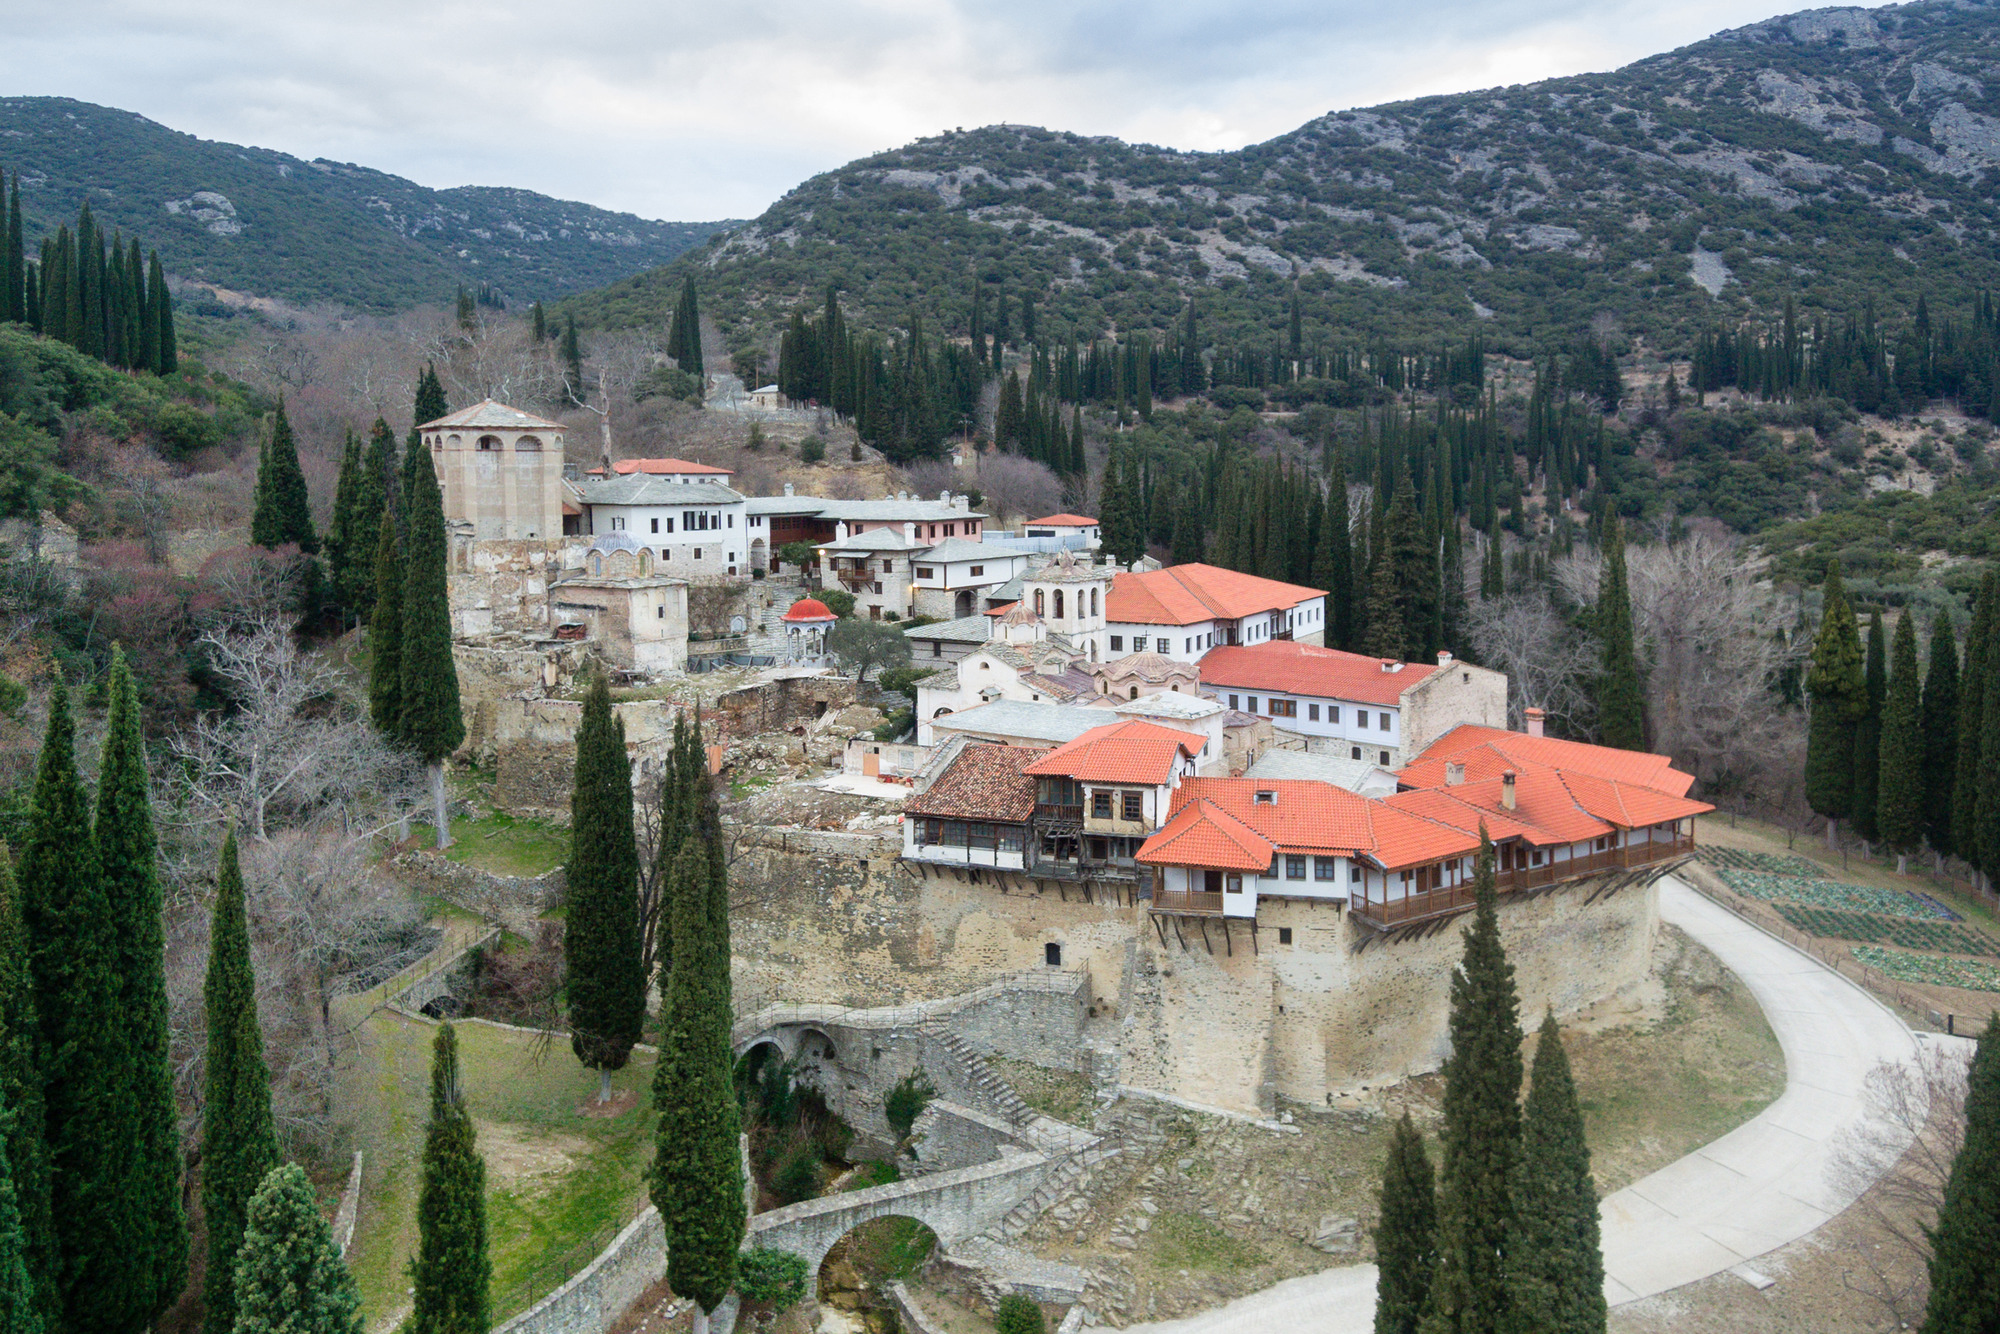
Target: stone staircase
[
  {"x": 1000, "y": 1096},
  {"x": 1070, "y": 1177}
]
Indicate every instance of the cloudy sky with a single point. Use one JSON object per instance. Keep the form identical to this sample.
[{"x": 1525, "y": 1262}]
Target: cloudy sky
[{"x": 677, "y": 111}]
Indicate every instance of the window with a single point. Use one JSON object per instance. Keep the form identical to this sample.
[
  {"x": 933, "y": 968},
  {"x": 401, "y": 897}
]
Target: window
[
  {"x": 1232, "y": 701},
  {"x": 1353, "y": 875},
  {"x": 1118, "y": 643},
  {"x": 732, "y": 521},
  {"x": 978, "y": 570},
  {"x": 1284, "y": 935},
  {"x": 1133, "y": 806},
  {"x": 656, "y": 525},
  {"x": 697, "y": 553},
  {"x": 937, "y": 648},
  {"x": 1333, "y": 713},
  {"x": 1249, "y": 704},
  {"x": 951, "y": 530},
  {"x": 617, "y": 525},
  {"x": 660, "y": 613},
  {"x": 1284, "y": 708},
  {"x": 924, "y": 572},
  {"x": 1059, "y": 604},
  {"x": 1093, "y": 602},
  {"x": 1354, "y": 752},
  {"x": 1266, "y": 797},
  {"x": 670, "y": 523},
  {"x": 1384, "y": 757},
  {"x": 1234, "y": 883},
  {"x": 1295, "y": 867},
  {"x": 1312, "y": 713},
  {"x": 1161, "y": 645},
  {"x": 1038, "y": 602},
  {"x": 1323, "y": 868},
  {"x": 1100, "y": 805},
  {"x": 1052, "y": 954}
]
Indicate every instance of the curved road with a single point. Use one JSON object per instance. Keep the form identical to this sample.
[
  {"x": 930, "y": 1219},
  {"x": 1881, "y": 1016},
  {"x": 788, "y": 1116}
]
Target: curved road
[{"x": 1761, "y": 1186}]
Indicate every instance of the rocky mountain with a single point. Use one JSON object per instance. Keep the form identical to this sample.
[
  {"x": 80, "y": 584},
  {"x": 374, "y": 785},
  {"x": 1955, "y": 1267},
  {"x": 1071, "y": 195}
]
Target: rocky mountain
[
  {"x": 269, "y": 224},
  {"x": 1840, "y": 156}
]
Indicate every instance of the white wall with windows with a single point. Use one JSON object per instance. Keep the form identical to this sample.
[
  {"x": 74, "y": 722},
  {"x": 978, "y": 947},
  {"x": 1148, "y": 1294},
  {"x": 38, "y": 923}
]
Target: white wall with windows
[{"x": 702, "y": 539}]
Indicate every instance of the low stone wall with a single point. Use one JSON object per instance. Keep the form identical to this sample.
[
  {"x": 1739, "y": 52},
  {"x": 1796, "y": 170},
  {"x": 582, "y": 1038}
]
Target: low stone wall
[
  {"x": 949, "y": 1135},
  {"x": 515, "y": 902},
  {"x": 604, "y": 1289},
  {"x": 413, "y": 992},
  {"x": 910, "y": 1314},
  {"x": 349, "y": 1211}
]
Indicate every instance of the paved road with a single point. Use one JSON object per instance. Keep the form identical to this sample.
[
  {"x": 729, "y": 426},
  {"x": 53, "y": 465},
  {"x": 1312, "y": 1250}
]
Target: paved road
[{"x": 1759, "y": 1187}]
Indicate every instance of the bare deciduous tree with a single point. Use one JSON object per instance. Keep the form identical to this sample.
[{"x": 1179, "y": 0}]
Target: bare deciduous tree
[
  {"x": 1549, "y": 663},
  {"x": 1019, "y": 487}
]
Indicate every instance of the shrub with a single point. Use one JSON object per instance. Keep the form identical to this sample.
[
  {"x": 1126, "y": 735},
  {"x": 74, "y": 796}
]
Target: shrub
[
  {"x": 756, "y": 440},
  {"x": 854, "y": 451},
  {"x": 775, "y": 1278},
  {"x": 797, "y": 553},
  {"x": 185, "y": 431},
  {"x": 669, "y": 382},
  {"x": 904, "y": 1103},
  {"x": 894, "y": 725},
  {"x": 812, "y": 449},
  {"x": 838, "y": 601},
  {"x": 1017, "y": 1314},
  {"x": 797, "y": 1177}
]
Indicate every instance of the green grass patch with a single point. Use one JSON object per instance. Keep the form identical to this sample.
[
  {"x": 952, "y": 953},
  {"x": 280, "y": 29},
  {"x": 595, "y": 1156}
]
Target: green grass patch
[
  {"x": 1834, "y": 894},
  {"x": 1189, "y": 1241},
  {"x": 1064, "y": 1094},
  {"x": 503, "y": 844},
  {"x": 1962, "y": 973},
  {"x": 891, "y": 1250},
  {"x": 869, "y": 1175}
]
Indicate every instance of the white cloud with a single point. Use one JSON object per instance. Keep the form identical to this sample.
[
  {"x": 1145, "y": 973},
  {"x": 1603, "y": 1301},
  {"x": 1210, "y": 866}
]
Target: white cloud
[{"x": 683, "y": 111}]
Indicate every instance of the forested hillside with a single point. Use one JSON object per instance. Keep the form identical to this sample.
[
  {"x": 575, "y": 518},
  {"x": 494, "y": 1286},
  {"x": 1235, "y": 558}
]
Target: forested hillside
[
  {"x": 269, "y": 224},
  {"x": 1841, "y": 156}
]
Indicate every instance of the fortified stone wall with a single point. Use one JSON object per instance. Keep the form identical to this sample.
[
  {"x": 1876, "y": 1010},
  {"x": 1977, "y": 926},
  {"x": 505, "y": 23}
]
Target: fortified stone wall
[{"x": 1441, "y": 701}]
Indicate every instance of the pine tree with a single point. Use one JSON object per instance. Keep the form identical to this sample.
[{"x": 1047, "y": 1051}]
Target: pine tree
[
  {"x": 385, "y": 632},
  {"x": 430, "y": 723},
  {"x": 284, "y": 513},
  {"x": 697, "y": 1176},
  {"x": 1621, "y": 702},
  {"x": 1839, "y": 696},
  {"x": 1965, "y": 1283},
  {"x": 1868, "y": 732},
  {"x": 21, "y": 1068},
  {"x": 1482, "y": 1127},
  {"x": 239, "y": 1145},
  {"x": 1971, "y": 713},
  {"x": 1940, "y": 734},
  {"x": 1406, "y": 1236},
  {"x": 147, "y": 1261},
  {"x": 290, "y": 1278},
  {"x": 1555, "y": 1270},
  {"x": 431, "y": 402},
  {"x": 1899, "y": 814},
  {"x": 452, "y": 1272},
  {"x": 605, "y": 977}
]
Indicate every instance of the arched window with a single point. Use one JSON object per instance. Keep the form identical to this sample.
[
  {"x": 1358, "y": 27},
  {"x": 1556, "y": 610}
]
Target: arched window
[
  {"x": 528, "y": 442},
  {"x": 1059, "y": 614},
  {"x": 489, "y": 442},
  {"x": 1038, "y": 602},
  {"x": 1135, "y": 692},
  {"x": 1093, "y": 602}
]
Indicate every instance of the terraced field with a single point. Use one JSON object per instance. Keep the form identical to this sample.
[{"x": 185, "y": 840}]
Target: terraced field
[
  {"x": 1739, "y": 859},
  {"x": 1930, "y": 970},
  {"x": 1835, "y": 894},
  {"x": 1936, "y": 937}
]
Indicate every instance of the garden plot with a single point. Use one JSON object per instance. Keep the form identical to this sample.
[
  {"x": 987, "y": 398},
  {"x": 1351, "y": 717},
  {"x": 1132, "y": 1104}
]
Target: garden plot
[
  {"x": 1835, "y": 894},
  {"x": 1912, "y": 934},
  {"x": 1926, "y": 970},
  {"x": 1740, "y": 859}
]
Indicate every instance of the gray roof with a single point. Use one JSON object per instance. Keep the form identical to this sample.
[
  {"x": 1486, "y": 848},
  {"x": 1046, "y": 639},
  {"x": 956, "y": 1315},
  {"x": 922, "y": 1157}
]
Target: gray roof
[
  {"x": 1354, "y": 775},
  {"x": 783, "y": 504},
  {"x": 875, "y": 539},
  {"x": 1169, "y": 704},
  {"x": 1028, "y": 721},
  {"x": 650, "y": 489},
  {"x": 895, "y": 511},
  {"x": 494, "y": 415},
  {"x": 965, "y": 630},
  {"x": 952, "y": 549}
]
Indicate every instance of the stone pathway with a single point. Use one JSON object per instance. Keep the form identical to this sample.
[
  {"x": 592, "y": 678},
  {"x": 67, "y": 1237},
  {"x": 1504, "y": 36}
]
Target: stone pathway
[{"x": 1763, "y": 1185}]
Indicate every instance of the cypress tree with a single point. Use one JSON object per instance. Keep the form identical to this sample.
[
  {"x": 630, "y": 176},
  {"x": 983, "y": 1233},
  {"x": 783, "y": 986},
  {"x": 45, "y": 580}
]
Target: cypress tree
[
  {"x": 1986, "y": 817},
  {"x": 290, "y": 1278},
  {"x": 684, "y": 338},
  {"x": 341, "y": 546},
  {"x": 1940, "y": 733},
  {"x": 1482, "y": 1127},
  {"x": 1385, "y": 620},
  {"x": 604, "y": 975},
  {"x": 1965, "y": 1283},
  {"x": 239, "y": 1145},
  {"x": 1971, "y": 713},
  {"x": 284, "y": 513},
  {"x": 1406, "y": 1236},
  {"x": 1412, "y": 567},
  {"x": 1839, "y": 697},
  {"x": 385, "y": 631},
  {"x": 1868, "y": 732},
  {"x": 19, "y": 1312},
  {"x": 697, "y": 1175},
  {"x": 160, "y": 304},
  {"x": 16, "y": 260},
  {"x": 1899, "y": 814},
  {"x": 1333, "y": 566},
  {"x": 431, "y": 402},
  {"x": 149, "y": 1257},
  {"x": 1555, "y": 1271},
  {"x": 452, "y": 1271},
  {"x": 21, "y": 1068},
  {"x": 1621, "y": 703},
  {"x": 430, "y": 723}
]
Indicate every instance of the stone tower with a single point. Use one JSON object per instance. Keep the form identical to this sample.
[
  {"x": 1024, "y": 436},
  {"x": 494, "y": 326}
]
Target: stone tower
[
  {"x": 1068, "y": 594},
  {"x": 501, "y": 471}
]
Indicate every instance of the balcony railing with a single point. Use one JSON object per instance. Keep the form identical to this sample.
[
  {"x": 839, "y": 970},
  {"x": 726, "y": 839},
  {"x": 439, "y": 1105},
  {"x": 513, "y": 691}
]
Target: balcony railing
[
  {"x": 1053, "y": 814},
  {"x": 1187, "y": 903},
  {"x": 1457, "y": 898},
  {"x": 857, "y": 578}
]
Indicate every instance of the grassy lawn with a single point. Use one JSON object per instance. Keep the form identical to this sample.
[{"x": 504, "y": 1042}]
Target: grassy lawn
[
  {"x": 559, "y": 1183},
  {"x": 502, "y": 844}
]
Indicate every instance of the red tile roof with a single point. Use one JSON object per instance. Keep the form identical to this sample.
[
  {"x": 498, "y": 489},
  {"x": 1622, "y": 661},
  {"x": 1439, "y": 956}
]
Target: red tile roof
[
  {"x": 1213, "y": 816},
  {"x": 1188, "y": 594},
  {"x": 1132, "y": 751},
  {"x": 809, "y": 609},
  {"x": 985, "y": 782},
  {"x": 1062, "y": 521},
  {"x": 1486, "y": 751},
  {"x": 1292, "y": 668},
  {"x": 668, "y": 468},
  {"x": 1200, "y": 833}
]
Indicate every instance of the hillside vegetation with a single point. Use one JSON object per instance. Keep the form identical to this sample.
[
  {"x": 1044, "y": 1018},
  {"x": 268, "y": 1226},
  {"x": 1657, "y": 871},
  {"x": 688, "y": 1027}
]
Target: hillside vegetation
[
  {"x": 1844, "y": 155},
  {"x": 269, "y": 224}
]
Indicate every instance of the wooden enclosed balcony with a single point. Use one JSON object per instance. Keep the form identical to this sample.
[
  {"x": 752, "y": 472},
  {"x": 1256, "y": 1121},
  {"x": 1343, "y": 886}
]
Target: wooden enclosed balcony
[
  {"x": 1457, "y": 898},
  {"x": 1187, "y": 903}
]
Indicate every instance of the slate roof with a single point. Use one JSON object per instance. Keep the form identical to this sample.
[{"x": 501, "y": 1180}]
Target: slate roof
[
  {"x": 1023, "y": 719},
  {"x": 985, "y": 782},
  {"x": 645, "y": 489},
  {"x": 491, "y": 415},
  {"x": 1291, "y": 668},
  {"x": 965, "y": 630},
  {"x": 1188, "y": 594}
]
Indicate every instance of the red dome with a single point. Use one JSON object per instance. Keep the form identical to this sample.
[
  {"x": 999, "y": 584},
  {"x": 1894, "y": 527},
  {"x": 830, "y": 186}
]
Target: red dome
[{"x": 809, "y": 609}]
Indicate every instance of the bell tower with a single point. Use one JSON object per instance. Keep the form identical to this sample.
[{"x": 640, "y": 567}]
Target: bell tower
[{"x": 501, "y": 471}]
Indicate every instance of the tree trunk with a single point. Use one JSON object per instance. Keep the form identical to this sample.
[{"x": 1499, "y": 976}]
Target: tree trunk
[
  {"x": 700, "y": 1320},
  {"x": 438, "y": 806},
  {"x": 604, "y": 1085},
  {"x": 1902, "y": 863},
  {"x": 1832, "y": 834}
]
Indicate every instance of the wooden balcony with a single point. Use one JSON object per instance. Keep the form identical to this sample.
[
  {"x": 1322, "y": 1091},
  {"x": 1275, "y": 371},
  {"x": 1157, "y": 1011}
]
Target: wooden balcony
[
  {"x": 857, "y": 578},
  {"x": 1458, "y": 898},
  {"x": 1187, "y": 903}
]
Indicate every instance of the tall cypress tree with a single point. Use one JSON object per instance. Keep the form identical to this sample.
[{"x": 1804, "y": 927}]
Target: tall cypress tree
[
  {"x": 1965, "y": 1283},
  {"x": 1839, "y": 696},
  {"x": 1555, "y": 1270},
  {"x": 1412, "y": 563},
  {"x": 290, "y": 1278},
  {"x": 604, "y": 975},
  {"x": 160, "y": 304},
  {"x": 1899, "y": 812},
  {"x": 697, "y": 1175},
  {"x": 431, "y": 402},
  {"x": 349, "y": 574},
  {"x": 452, "y": 1273},
  {"x": 1621, "y": 703},
  {"x": 430, "y": 724},
  {"x": 16, "y": 260},
  {"x": 385, "y": 631},
  {"x": 1334, "y": 568},
  {"x": 1940, "y": 734},
  {"x": 148, "y": 1260},
  {"x": 1971, "y": 715},
  {"x": 283, "y": 513},
  {"x": 684, "y": 338},
  {"x": 239, "y": 1144},
  {"x": 1868, "y": 731},
  {"x": 1406, "y": 1236},
  {"x": 1482, "y": 1127},
  {"x": 1985, "y": 851},
  {"x": 21, "y": 1067},
  {"x": 19, "y": 1313}
]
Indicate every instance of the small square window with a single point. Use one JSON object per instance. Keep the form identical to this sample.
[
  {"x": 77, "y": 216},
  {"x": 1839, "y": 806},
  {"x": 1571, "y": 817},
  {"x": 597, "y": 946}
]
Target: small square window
[
  {"x": 1354, "y": 752},
  {"x": 1353, "y": 875},
  {"x": 1232, "y": 702},
  {"x": 656, "y": 525},
  {"x": 1052, "y": 954},
  {"x": 1162, "y": 646},
  {"x": 697, "y": 553},
  {"x": 1100, "y": 805},
  {"x": 1234, "y": 883},
  {"x": 1118, "y": 643},
  {"x": 1312, "y": 713},
  {"x": 1134, "y": 806},
  {"x": 978, "y": 570},
  {"x": 1324, "y": 868},
  {"x": 1385, "y": 757},
  {"x": 1333, "y": 713},
  {"x": 1249, "y": 704},
  {"x": 1284, "y": 935},
  {"x": 1295, "y": 868}
]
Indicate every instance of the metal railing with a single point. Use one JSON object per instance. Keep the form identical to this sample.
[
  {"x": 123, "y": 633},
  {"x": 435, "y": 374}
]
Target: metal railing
[{"x": 1459, "y": 897}]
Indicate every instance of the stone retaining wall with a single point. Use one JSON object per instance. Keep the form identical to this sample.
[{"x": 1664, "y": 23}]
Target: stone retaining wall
[{"x": 515, "y": 902}]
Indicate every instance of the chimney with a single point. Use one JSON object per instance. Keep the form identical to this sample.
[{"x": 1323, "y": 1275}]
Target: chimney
[
  {"x": 1454, "y": 773},
  {"x": 1444, "y": 657},
  {"x": 961, "y": 502},
  {"x": 1534, "y": 719},
  {"x": 944, "y": 496},
  {"x": 910, "y": 533},
  {"x": 788, "y": 488},
  {"x": 1507, "y": 789}
]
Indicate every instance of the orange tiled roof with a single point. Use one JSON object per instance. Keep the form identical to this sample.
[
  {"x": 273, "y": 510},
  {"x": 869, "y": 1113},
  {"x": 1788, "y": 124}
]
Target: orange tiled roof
[
  {"x": 1201, "y": 833},
  {"x": 1544, "y": 814},
  {"x": 1628, "y": 805},
  {"x": 1307, "y": 816},
  {"x": 1293, "y": 668},
  {"x": 1187, "y": 594},
  {"x": 984, "y": 783},
  {"x": 1062, "y": 521},
  {"x": 1486, "y": 751},
  {"x": 668, "y": 468},
  {"x": 1132, "y": 751}
]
